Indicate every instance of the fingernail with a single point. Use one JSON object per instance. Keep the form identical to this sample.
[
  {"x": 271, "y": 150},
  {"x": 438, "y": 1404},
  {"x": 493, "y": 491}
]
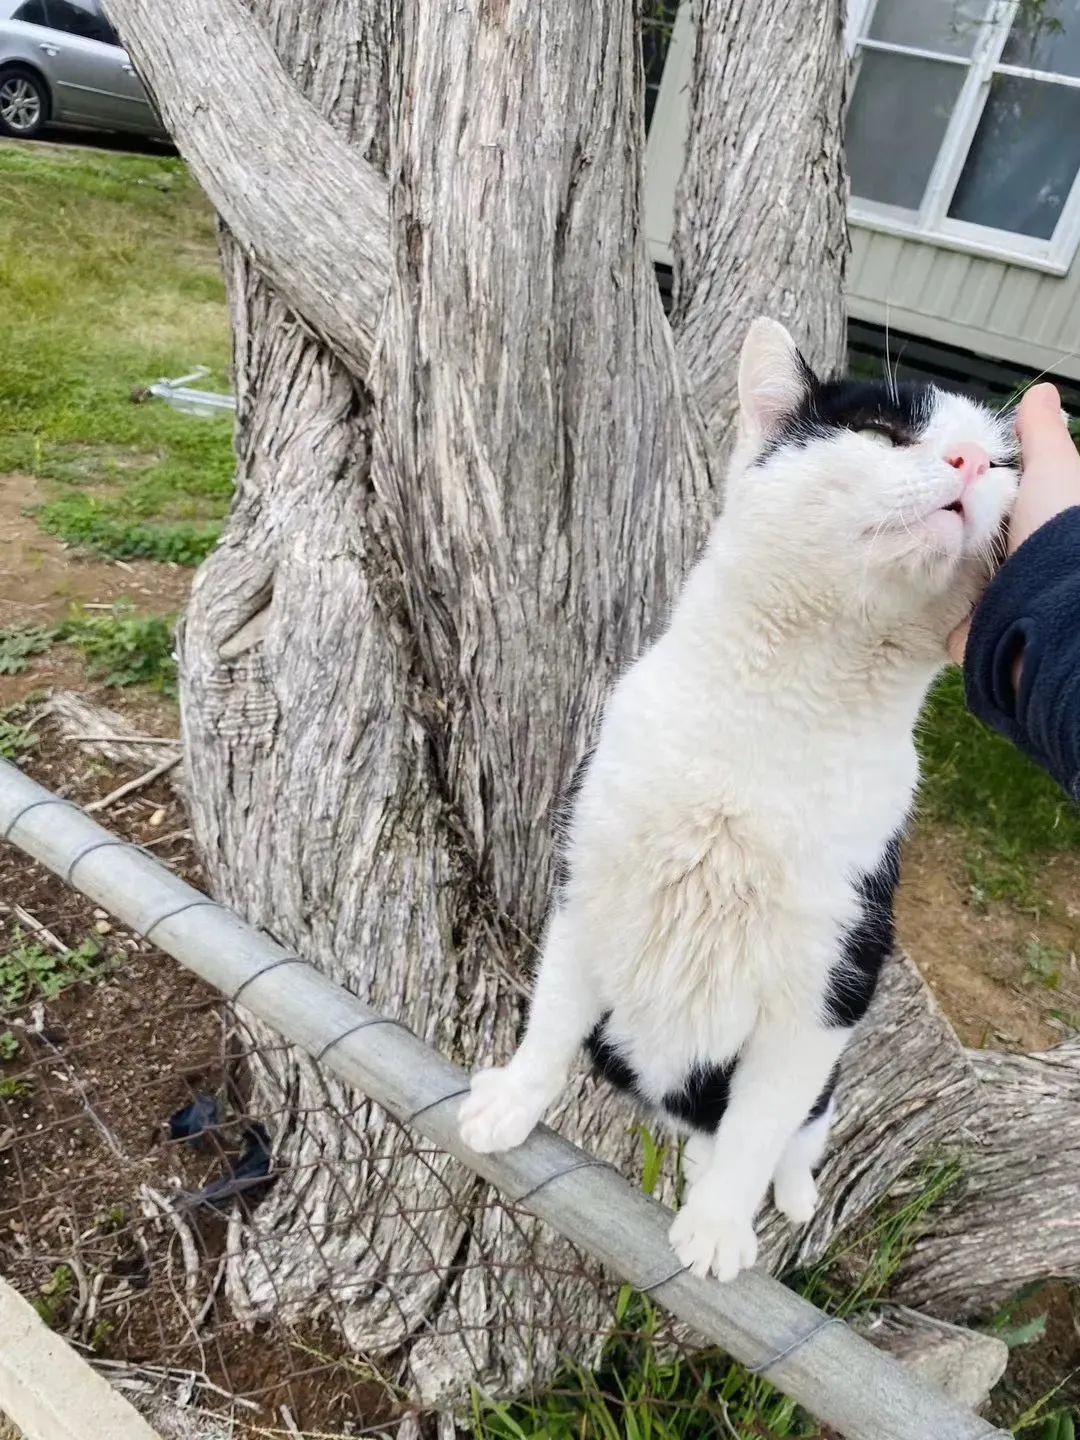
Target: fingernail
[{"x": 1046, "y": 397}]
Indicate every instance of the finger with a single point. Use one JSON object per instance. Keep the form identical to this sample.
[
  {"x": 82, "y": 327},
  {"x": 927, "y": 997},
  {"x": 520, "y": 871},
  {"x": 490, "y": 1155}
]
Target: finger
[
  {"x": 1044, "y": 435},
  {"x": 1051, "y": 467},
  {"x": 957, "y": 642}
]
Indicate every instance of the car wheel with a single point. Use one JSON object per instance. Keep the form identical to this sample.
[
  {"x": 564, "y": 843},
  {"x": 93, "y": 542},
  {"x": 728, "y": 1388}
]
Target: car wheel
[{"x": 24, "y": 104}]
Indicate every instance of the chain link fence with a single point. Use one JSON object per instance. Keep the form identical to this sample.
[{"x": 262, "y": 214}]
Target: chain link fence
[{"x": 134, "y": 1170}]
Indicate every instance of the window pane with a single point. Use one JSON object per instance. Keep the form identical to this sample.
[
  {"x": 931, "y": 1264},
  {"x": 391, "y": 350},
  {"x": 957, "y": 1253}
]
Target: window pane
[
  {"x": 75, "y": 17},
  {"x": 1023, "y": 160},
  {"x": 895, "y": 124},
  {"x": 951, "y": 26},
  {"x": 33, "y": 13},
  {"x": 1046, "y": 37}
]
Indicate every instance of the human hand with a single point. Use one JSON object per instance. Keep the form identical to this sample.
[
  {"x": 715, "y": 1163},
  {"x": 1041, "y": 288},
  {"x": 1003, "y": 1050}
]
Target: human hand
[{"x": 1049, "y": 479}]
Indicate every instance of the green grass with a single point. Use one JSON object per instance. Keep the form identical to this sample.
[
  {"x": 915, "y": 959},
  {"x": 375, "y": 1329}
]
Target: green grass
[
  {"x": 120, "y": 649},
  {"x": 1011, "y": 815},
  {"x": 109, "y": 281},
  {"x": 647, "y": 1388}
]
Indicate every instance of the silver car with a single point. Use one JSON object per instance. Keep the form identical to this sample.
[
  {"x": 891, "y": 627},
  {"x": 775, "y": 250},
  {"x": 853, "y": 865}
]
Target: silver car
[{"x": 61, "y": 61}]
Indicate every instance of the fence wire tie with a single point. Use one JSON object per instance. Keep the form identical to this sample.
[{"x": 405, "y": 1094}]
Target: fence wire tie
[
  {"x": 274, "y": 965},
  {"x": 431, "y": 1104},
  {"x": 172, "y": 914},
  {"x": 589, "y": 1164},
  {"x": 822, "y": 1324},
  {"x": 89, "y": 850},
  {"x": 655, "y": 1284},
  {"x": 34, "y": 804},
  {"x": 355, "y": 1030}
]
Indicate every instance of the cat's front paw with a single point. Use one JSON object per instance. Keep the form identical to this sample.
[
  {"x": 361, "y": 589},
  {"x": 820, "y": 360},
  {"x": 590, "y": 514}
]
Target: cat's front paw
[
  {"x": 500, "y": 1111},
  {"x": 706, "y": 1237}
]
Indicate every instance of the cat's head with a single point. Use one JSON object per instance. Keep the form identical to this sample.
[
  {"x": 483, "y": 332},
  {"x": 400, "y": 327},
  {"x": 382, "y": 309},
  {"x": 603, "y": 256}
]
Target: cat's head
[{"x": 891, "y": 492}]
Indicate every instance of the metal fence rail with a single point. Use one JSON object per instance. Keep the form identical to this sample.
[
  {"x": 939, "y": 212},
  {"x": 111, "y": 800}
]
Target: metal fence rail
[{"x": 838, "y": 1377}]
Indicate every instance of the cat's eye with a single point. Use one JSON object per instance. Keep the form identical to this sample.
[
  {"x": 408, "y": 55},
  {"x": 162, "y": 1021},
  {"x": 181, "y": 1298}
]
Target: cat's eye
[{"x": 872, "y": 432}]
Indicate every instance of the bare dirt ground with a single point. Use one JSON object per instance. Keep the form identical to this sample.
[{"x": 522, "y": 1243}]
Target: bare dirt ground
[
  {"x": 89, "y": 1175},
  {"x": 981, "y": 959}
]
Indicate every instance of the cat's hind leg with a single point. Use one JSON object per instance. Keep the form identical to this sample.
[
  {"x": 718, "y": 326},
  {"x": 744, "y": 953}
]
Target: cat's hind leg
[
  {"x": 794, "y": 1188},
  {"x": 506, "y": 1103},
  {"x": 779, "y": 1066}
]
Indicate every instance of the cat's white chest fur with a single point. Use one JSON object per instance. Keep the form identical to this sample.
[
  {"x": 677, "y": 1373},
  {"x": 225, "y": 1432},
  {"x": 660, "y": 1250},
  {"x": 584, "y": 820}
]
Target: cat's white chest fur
[{"x": 714, "y": 854}]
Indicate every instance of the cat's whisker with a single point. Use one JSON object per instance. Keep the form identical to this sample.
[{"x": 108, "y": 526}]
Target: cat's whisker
[{"x": 1017, "y": 395}]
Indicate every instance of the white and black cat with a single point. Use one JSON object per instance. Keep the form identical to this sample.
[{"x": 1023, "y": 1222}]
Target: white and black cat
[{"x": 731, "y": 847}]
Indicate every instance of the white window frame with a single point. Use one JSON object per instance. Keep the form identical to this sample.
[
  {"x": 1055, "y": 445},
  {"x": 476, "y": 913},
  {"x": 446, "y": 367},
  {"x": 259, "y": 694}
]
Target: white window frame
[{"x": 932, "y": 221}]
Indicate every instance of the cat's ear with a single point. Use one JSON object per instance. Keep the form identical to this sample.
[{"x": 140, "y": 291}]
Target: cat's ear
[{"x": 773, "y": 379}]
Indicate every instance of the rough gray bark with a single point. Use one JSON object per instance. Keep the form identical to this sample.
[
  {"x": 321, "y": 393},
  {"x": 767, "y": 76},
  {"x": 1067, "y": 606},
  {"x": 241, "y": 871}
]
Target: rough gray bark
[
  {"x": 1016, "y": 1217},
  {"x": 458, "y": 512},
  {"x": 307, "y": 208},
  {"x": 760, "y": 225},
  {"x": 965, "y": 1364}
]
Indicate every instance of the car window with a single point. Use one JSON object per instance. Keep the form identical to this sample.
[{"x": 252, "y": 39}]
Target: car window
[
  {"x": 32, "y": 11},
  {"x": 81, "y": 19}
]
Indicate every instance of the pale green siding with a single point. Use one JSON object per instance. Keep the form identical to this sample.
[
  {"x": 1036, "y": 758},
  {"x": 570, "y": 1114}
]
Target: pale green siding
[{"x": 1007, "y": 312}]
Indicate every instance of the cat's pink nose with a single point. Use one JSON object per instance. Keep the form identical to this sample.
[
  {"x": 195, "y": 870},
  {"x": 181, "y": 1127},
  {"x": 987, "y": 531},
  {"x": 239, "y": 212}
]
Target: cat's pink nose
[{"x": 970, "y": 460}]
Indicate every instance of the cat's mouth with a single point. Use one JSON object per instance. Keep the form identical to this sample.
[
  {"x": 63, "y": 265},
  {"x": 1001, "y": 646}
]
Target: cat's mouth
[{"x": 954, "y": 507}]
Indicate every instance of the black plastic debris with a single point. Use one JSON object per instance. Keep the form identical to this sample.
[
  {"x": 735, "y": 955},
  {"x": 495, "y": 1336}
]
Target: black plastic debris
[
  {"x": 246, "y": 1159},
  {"x": 194, "y": 1120},
  {"x": 249, "y": 1176}
]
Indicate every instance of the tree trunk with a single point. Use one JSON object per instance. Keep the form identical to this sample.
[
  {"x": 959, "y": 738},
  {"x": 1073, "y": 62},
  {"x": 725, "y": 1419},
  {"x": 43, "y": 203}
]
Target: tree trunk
[{"x": 472, "y": 471}]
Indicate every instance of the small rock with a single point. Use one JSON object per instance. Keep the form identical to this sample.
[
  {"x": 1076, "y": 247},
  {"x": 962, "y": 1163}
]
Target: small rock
[
  {"x": 157, "y": 818},
  {"x": 102, "y": 927},
  {"x": 101, "y": 914}
]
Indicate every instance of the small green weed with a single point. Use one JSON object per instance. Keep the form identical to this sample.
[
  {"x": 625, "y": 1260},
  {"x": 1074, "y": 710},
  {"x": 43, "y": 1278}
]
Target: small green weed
[
  {"x": 1044, "y": 962},
  {"x": 28, "y": 971},
  {"x": 11, "y": 1089},
  {"x": 114, "y": 1219},
  {"x": 101, "y": 528},
  {"x": 1059, "y": 1427},
  {"x": 17, "y": 647},
  {"x": 52, "y": 1298},
  {"x": 100, "y": 1336},
  {"x": 15, "y": 740},
  {"x": 9, "y": 1045},
  {"x": 123, "y": 649},
  {"x": 120, "y": 648},
  {"x": 1050, "y": 1424},
  {"x": 642, "y": 1390}
]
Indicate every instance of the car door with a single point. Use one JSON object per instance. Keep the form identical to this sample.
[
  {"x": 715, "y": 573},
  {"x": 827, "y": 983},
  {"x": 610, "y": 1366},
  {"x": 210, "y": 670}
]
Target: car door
[{"x": 94, "y": 82}]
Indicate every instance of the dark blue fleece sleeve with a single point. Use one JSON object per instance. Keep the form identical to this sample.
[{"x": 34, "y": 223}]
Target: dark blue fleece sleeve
[{"x": 1032, "y": 608}]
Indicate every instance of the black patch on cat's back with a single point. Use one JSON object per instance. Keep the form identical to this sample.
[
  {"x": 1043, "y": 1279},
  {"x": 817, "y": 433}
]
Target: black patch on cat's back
[
  {"x": 703, "y": 1098},
  {"x": 564, "y": 810},
  {"x": 867, "y": 945},
  {"x": 821, "y": 1104},
  {"x": 900, "y": 411},
  {"x": 607, "y": 1061}
]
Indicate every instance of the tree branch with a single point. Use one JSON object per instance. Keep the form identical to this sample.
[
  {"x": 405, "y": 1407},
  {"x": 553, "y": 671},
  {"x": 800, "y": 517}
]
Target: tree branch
[
  {"x": 303, "y": 205},
  {"x": 760, "y": 220},
  {"x": 1016, "y": 1219}
]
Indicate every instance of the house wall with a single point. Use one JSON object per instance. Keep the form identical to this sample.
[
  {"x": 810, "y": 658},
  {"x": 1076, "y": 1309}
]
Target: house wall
[{"x": 1003, "y": 311}]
